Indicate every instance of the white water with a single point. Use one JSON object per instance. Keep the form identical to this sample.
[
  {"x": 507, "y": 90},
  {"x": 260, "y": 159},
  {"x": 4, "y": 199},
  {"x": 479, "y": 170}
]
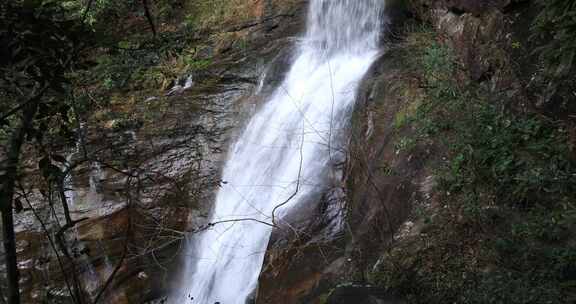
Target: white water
[{"x": 286, "y": 151}]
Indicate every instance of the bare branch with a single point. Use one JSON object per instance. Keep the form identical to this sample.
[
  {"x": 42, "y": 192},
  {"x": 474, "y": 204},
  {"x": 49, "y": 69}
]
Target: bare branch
[
  {"x": 50, "y": 240},
  {"x": 297, "y": 181},
  {"x": 124, "y": 250},
  {"x": 149, "y": 17},
  {"x": 36, "y": 96}
]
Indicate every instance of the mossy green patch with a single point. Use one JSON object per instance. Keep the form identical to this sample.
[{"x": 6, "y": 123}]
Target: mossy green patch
[{"x": 407, "y": 114}]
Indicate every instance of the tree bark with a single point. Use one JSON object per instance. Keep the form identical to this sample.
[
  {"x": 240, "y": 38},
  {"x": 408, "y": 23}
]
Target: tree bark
[
  {"x": 11, "y": 260},
  {"x": 149, "y": 17},
  {"x": 64, "y": 202},
  {"x": 8, "y": 175}
]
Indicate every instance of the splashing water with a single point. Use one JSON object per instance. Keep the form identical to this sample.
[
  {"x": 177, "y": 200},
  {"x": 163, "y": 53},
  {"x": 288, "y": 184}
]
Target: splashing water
[{"x": 285, "y": 152}]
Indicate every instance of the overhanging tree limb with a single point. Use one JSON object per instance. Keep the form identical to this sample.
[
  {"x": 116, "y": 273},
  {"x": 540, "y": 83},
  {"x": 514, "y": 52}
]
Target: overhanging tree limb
[{"x": 21, "y": 106}]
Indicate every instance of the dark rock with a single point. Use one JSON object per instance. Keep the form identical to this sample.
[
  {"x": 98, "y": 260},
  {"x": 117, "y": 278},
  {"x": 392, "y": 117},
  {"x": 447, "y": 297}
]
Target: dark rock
[
  {"x": 475, "y": 7},
  {"x": 361, "y": 295}
]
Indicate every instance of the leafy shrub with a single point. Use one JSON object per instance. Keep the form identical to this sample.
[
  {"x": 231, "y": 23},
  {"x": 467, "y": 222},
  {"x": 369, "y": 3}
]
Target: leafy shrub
[
  {"x": 100, "y": 11},
  {"x": 557, "y": 22},
  {"x": 501, "y": 229}
]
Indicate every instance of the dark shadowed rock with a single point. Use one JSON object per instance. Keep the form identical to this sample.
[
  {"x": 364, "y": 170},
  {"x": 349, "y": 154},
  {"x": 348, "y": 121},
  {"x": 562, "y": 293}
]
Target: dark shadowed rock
[
  {"x": 361, "y": 295},
  {"x": 475, "y": 7}
]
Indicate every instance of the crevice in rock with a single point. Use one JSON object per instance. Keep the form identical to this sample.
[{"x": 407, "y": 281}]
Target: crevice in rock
[
  {"x": 486, "y": 76},
  {"x": 514, "y": 7},
  {"x": 456, "y": 11}
]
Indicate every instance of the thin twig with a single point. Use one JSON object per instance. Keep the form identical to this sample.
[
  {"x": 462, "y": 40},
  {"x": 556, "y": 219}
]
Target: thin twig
[
  {"x": 124, "y": 250},
  {"x": 50, "y": 240},
  {"x": 297, "y": 180}
]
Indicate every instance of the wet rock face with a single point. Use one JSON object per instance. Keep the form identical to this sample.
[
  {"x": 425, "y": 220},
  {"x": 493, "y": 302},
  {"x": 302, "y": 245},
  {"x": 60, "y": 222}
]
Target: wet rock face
[
  {"x": 131, "y": 224},
  {"x": 179, "y": 153},
  {"x": 303, "y": 255}
]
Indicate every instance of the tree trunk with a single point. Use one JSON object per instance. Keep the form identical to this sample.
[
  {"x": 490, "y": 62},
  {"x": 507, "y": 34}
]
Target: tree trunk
[
  {"x": 64, "y": 202},
  {"x": 8, "y": 175},
  {"x": 10, "y": 249},
  {"x": 149, "y": 17}
]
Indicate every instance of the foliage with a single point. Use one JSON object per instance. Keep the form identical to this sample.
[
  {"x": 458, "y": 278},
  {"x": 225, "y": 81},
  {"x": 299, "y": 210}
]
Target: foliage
[
  {"x": 144, "y": 65},
  {"x": 96, "y": 10},
  {"x": 502, "y": 227},
  {"x": 218, "y": 13},
  {"x": 557, "y": 22},
  {"x": 39, "y": 45}
]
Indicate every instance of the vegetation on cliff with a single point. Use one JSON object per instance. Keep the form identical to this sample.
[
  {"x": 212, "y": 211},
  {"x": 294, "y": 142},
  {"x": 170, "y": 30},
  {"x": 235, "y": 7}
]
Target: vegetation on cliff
[{"x": 500, "y": 225}]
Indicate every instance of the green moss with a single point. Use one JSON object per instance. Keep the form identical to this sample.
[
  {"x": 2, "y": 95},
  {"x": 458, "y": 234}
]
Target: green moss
[
  {"x": 404, "y": 116},
  {"x": 195, "y": 64}
]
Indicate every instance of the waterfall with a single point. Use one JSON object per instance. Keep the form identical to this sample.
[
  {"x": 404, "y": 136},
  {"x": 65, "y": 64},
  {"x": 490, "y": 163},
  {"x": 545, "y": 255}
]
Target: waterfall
[{"x": 285, "y": 153}]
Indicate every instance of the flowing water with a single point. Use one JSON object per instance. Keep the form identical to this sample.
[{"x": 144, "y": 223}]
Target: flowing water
[
  {"x": 286, "y": 151},
  {"x": 89, "y": 276}
]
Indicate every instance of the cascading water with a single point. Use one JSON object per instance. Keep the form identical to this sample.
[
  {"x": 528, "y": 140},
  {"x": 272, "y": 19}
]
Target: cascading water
[
  {"x": 90, "y": 277},
  {"x": 285, "y": 152}
]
